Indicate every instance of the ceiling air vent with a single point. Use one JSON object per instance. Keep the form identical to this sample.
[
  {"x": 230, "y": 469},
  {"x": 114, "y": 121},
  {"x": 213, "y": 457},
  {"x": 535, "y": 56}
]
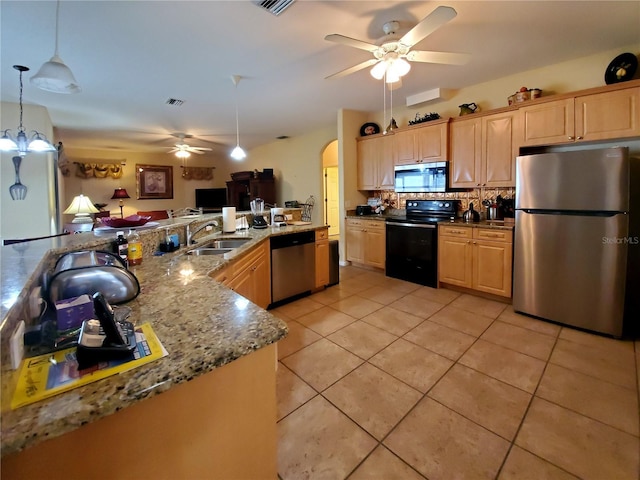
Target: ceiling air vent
[
  {"x": 274, "y": 6},
  {"x": 175, "y": 102}
]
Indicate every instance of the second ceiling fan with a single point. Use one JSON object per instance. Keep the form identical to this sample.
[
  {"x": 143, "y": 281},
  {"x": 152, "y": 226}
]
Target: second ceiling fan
[
  {"x": 393, "y": 53},
  {"x": 184, "y": 150}
]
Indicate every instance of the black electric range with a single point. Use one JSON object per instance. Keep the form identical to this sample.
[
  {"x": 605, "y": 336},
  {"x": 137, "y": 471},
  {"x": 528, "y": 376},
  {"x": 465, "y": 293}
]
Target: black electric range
[{"x": 412, "y": 240}]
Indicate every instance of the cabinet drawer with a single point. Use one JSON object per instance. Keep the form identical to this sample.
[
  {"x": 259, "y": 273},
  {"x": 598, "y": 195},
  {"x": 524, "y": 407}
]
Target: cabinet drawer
[
  {"x": 322, "y": 234},
  {"x": 373, "y": 225},
  {"x": 493, "y": 234},
  {"x": 451, "y": 231}
]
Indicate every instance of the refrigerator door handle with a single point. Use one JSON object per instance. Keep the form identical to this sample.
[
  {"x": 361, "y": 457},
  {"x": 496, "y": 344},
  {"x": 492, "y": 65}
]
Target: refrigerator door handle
[{"x": 579, "y": 213}]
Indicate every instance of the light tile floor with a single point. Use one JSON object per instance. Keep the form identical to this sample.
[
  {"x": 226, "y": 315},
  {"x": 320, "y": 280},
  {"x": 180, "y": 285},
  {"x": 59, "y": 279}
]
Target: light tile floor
[{"x": 381, "y": 378}]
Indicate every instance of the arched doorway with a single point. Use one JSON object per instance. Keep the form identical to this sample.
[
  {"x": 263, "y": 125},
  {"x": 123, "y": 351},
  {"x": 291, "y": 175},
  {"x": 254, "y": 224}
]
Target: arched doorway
[{"x": 331, "y": 187}]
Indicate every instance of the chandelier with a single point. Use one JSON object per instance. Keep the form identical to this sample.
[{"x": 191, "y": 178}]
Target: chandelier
[{"x": 23, "y": 144}]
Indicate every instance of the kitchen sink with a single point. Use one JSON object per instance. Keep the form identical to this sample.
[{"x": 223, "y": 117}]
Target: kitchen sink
[
  {"x": 230, "y": 243},
  {"x": 209, "y": 251}
]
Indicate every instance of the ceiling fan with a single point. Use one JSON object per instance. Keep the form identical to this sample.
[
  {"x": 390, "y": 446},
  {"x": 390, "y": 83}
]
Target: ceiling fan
[
  {"x": 393, "y": 53},
  {"x": 184, "y": 150}
]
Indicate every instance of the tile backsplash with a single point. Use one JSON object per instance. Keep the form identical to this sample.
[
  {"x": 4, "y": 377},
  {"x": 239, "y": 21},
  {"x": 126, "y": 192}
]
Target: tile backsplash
[{"x": 475, "y": 196}]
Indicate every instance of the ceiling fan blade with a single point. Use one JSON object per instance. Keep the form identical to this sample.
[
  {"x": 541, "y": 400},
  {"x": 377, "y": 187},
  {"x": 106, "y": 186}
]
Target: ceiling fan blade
[
  {"x": 199, "y": 149},
  {"x": 438, "y": 57},
  {"x": 353, "y": 69},
  {"x": 428, "y": 25},
  {"x": 195, "y": 151},
  {"x": 351, "y": 42}
]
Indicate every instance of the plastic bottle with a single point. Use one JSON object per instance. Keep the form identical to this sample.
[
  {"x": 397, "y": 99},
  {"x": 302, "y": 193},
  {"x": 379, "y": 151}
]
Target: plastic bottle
[
  {"x": 122, "y": 245},
  {"x": 134, "y": 254}
]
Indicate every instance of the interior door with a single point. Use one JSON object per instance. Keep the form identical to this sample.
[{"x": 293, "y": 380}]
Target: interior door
[{"x": 332, "y": 199}]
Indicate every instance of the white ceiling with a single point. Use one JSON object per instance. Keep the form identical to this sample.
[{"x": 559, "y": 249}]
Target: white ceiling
[{"x": 131, "y": 56}]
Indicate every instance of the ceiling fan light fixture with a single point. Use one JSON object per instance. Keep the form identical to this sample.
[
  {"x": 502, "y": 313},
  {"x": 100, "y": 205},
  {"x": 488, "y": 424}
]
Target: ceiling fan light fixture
[
  {"x": 400, "y": 67},
  {"x": 183, "y": 154}
]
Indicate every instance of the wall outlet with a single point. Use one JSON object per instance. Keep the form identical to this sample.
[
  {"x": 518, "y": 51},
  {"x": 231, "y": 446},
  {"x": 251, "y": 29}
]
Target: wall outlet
[
  {"x": 16, "y": 345},
  {"x": 35, "y": 302}
]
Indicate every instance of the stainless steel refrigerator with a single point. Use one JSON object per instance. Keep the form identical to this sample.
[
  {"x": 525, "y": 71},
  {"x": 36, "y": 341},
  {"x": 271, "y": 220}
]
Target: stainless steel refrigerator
[{"x": 576, "y": 244}]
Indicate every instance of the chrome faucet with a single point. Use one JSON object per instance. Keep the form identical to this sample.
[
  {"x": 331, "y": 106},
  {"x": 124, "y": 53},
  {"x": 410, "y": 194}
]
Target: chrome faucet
[{"x": 190, "y": 234}]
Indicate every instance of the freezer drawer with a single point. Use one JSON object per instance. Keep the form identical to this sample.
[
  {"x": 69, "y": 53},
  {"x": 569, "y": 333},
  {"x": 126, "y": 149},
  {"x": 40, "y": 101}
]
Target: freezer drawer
[{"x": 571, "y": 269}]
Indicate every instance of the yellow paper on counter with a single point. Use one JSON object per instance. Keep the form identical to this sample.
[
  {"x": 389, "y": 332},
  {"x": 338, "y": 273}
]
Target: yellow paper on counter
[{"x": 48, "y": 375}]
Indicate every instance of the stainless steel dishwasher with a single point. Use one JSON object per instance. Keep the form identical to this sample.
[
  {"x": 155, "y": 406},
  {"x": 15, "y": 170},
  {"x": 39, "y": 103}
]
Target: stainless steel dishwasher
[{"x": 292, "y": 265}]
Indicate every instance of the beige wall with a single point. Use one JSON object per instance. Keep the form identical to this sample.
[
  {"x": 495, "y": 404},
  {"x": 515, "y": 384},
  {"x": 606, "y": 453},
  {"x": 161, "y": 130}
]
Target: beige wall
[
  {"x": 100, "y": 190},
  {"x": 579, "y": 74},
  {"x": 35, "y": 215}
]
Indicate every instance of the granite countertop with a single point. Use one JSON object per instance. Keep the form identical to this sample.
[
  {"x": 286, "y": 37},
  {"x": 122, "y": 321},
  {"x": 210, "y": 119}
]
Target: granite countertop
[{"x": 201, "y": 323}]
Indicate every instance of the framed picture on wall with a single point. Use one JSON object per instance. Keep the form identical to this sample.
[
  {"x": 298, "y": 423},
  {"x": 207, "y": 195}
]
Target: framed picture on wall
[{"x": 154, "y": 181}]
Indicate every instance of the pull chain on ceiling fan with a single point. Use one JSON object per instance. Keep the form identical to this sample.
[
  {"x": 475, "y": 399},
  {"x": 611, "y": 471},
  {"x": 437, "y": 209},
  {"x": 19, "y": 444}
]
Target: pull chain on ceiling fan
[{"x": 393, "y": 54}]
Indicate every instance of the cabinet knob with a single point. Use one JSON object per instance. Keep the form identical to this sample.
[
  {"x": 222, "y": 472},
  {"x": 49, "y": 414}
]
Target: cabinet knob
[
  {"x": 571, "y": 138},
  {"x": 578, "y": 137}
]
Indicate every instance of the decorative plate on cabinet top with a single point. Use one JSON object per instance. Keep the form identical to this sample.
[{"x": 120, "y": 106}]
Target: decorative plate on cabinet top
[
  {"x": 621, "y": 68},
  {"x": 369, "y": 128}
]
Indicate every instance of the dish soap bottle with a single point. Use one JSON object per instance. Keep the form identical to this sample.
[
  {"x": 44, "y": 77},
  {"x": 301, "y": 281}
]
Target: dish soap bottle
[
  {"x": 135, "y": 248},
  {"x": 122, "y": 246}
]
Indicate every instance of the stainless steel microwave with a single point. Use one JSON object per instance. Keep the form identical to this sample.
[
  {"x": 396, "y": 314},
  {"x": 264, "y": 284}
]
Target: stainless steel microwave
[{"x": 421, "y": 177}]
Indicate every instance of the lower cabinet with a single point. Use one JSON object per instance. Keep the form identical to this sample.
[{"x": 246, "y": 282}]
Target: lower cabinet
[
  {"x": 250, "y": 276},
  {"x": 366, "y": 242},
  {"x": 476, "y": 258},
  {"x": 322, "y": 257}
]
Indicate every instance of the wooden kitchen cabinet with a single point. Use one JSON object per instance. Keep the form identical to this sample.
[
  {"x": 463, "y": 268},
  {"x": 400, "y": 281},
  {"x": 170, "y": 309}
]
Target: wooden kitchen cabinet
[
  {"x": 421, "y": 143},
  {"x": 366, "y": 242},
  {"x": 375, "y": 163},
  {"x": 484, "y": 150},
  {"x": 250, "y": 276},
  {"x": 602, "y": 115},
  {"x": 322, "y": 257},
  {"x": 476, "y": 258}
]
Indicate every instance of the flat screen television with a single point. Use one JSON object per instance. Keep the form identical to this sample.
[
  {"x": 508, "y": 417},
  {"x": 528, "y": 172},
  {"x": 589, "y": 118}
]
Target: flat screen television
[{"x": 211, "y": 199}]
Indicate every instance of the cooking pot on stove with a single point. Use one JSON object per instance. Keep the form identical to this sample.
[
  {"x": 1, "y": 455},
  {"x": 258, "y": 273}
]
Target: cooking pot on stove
[{"x": 471, "y": 215}]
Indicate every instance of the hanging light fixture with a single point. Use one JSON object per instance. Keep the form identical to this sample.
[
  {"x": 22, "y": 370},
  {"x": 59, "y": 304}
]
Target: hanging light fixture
[
  {"x": 22, "y": 144},
  {"x": 237, "y": 153},
  {"x": 54, "y": 76}
]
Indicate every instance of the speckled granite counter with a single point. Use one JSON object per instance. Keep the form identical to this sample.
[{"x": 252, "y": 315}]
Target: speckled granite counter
[{"x": 201, "y": 323}]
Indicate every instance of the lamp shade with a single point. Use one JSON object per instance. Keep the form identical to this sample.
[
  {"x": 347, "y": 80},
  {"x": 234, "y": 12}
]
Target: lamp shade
[
  {"x": 81, "y": 207},
  {"x": 120, "y": 193},
  {"x": 55, "y": 76}
]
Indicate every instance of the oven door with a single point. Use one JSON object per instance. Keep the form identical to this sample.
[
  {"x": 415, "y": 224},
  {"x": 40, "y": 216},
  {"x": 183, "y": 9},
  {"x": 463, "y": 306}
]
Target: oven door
[{"x": 412, "y": 252}]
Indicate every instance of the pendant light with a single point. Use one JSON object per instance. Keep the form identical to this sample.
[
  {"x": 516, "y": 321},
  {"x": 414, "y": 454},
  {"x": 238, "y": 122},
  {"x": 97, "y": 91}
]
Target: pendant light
[
  {"x": 237, "y": 153},
  {"x": 22, "y": 144},
  {"x": 54, "y": 76}
]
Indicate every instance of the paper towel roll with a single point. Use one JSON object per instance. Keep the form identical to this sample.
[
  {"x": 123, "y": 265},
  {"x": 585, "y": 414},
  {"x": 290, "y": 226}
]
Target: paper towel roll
[{"x": 228, "y": 219}]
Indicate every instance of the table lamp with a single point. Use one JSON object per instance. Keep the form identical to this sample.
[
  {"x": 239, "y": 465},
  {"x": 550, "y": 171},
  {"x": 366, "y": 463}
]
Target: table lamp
[
  {"x": 81, "y": 206},
  {"x": 120, "y": 193}
]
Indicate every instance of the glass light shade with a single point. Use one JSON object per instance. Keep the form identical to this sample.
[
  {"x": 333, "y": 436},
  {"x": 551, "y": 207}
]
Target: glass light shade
[
  {"x": 55, "y": 76},
  {"x": 7, "y": 144},
  {"x": 400, "y": 67},
  {"x": 238, "y": 153},
  {"x": 40, "y": 144},
  {"x": 81, "y": 206},
  {"x": 378, "y": 70},
  {"x": 182, "y": 154},
  {"x": 391, "y": 77}
]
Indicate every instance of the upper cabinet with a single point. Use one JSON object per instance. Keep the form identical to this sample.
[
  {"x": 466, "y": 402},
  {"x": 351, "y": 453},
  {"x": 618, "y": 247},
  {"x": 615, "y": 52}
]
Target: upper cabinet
[
  {"x": 375, "y": 163},
  {"x": 427, "y": 142},
  {"x": 602, "y": 115},
  {"x": 483, "y": 150}
]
